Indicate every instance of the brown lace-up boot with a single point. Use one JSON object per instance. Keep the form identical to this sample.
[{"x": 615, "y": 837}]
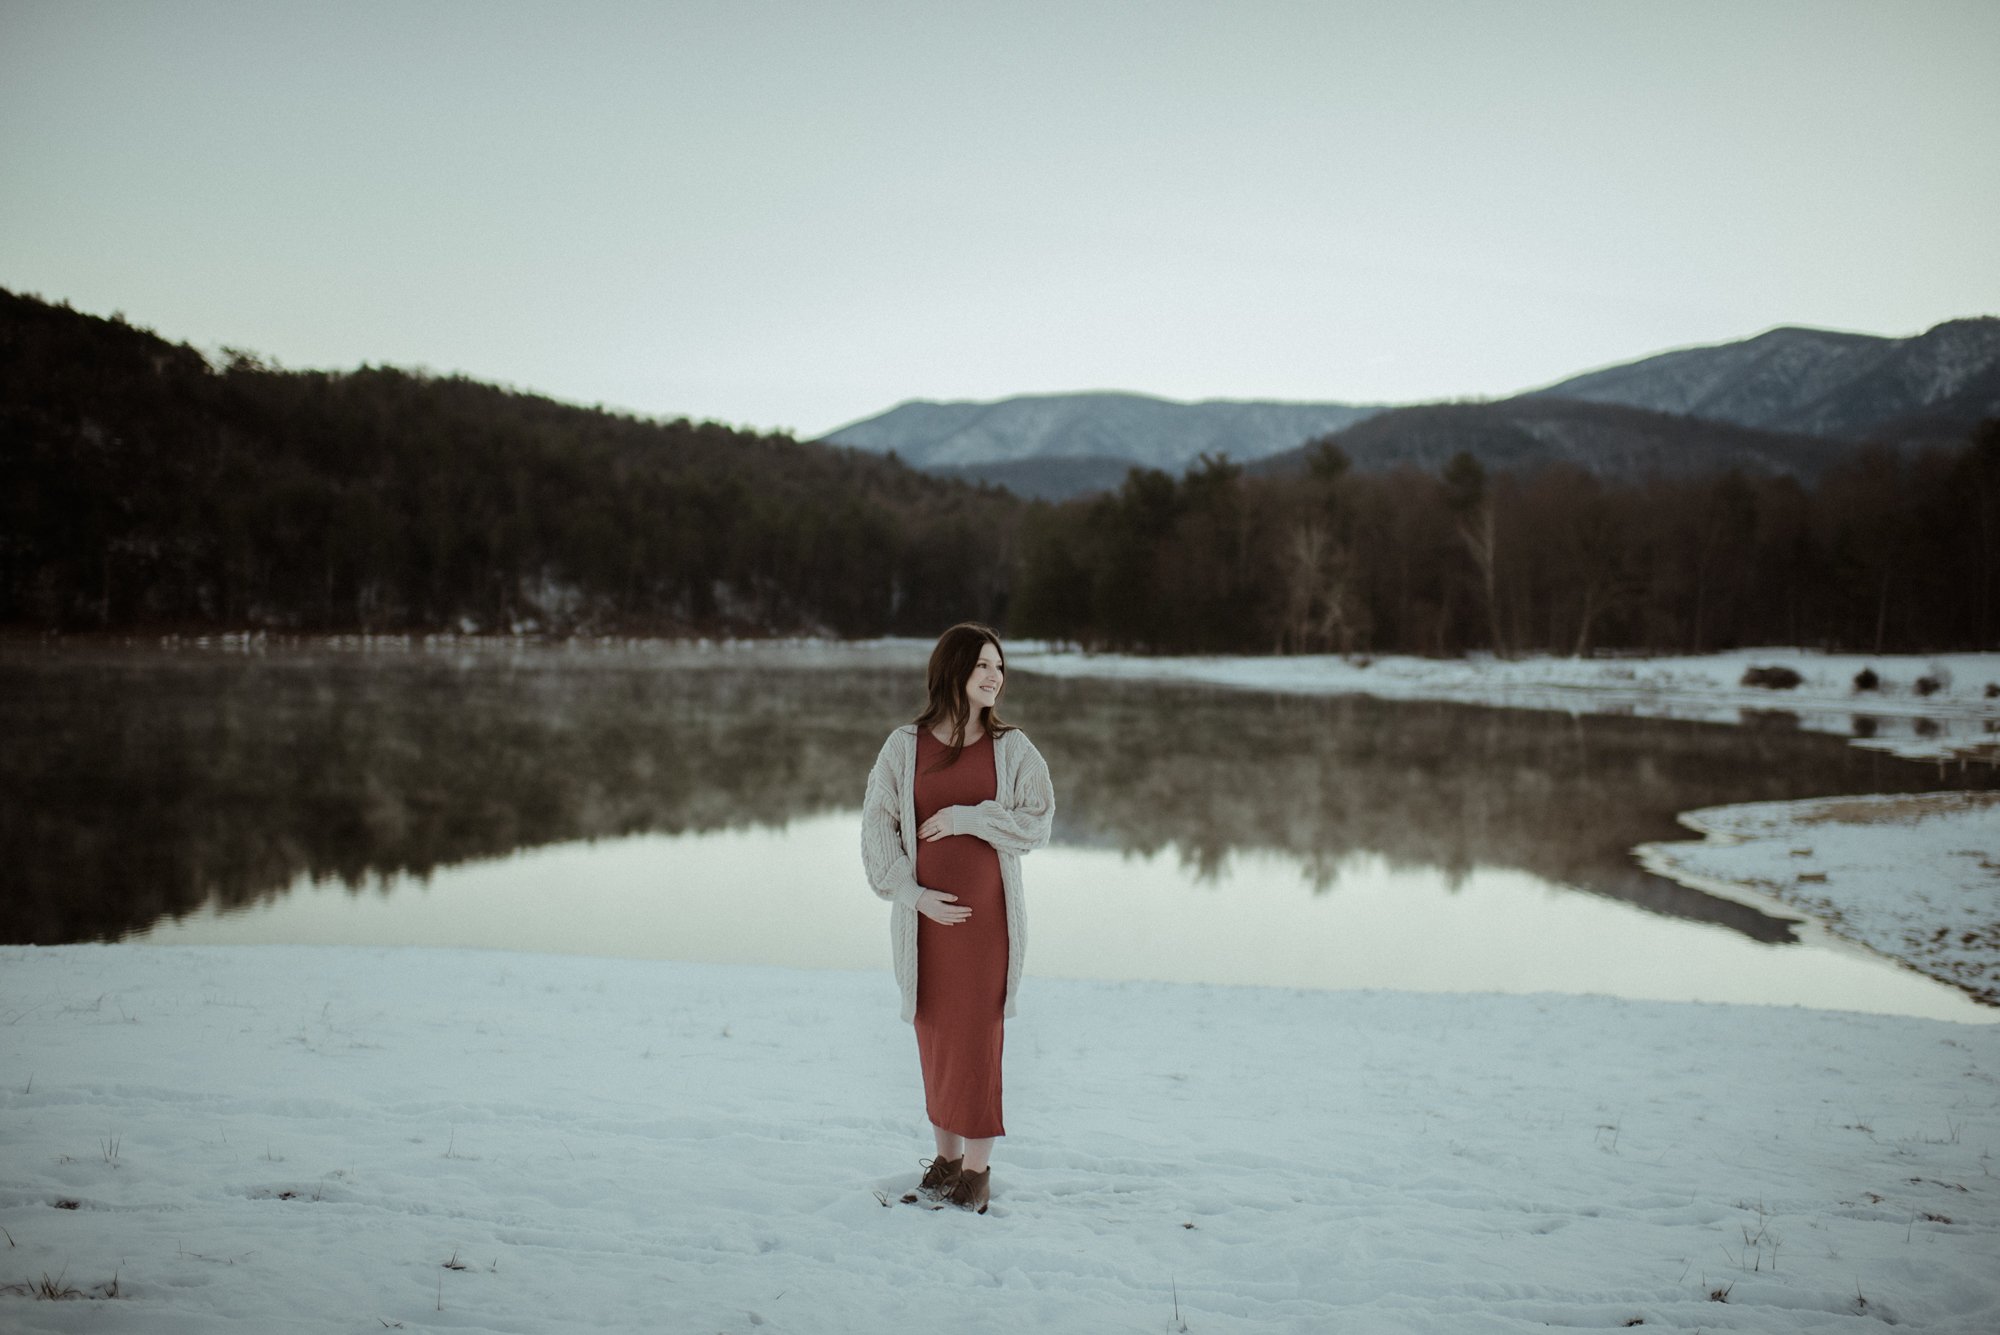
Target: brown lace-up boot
[
  {"x": 940, "y": 1175},
  {"x": 970, "y": 1190}
]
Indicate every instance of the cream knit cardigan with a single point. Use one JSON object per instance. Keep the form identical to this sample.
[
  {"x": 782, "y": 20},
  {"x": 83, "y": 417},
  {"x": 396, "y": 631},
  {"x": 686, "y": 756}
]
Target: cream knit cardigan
[{"x": 1017, "y": 821}]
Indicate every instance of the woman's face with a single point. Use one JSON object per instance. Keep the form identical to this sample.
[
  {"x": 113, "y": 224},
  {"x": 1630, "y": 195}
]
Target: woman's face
[{"x": 982, "y": 688}]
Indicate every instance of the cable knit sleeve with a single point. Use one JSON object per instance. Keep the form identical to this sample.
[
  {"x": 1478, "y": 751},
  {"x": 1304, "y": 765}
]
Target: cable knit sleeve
[
  {"x": 891, "y": 873},
  {"x": 1022, "y": 824}
]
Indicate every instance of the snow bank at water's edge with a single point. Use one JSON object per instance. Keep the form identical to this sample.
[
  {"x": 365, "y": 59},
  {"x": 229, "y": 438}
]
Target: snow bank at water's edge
[
  {"x": 1954, "y": 715},
  {"x": 1914, "y": 876}
]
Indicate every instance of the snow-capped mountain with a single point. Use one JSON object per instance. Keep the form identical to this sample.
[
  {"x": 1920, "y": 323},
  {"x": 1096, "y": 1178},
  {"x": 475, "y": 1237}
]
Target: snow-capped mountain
[
  {"x": 1132, "y": 429},
  {"x": 1818, "y": 382}
]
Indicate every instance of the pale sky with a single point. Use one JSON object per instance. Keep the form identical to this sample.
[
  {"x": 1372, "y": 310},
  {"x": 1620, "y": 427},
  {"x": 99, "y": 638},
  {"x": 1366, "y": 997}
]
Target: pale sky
[{"x": 792, "y": 215}]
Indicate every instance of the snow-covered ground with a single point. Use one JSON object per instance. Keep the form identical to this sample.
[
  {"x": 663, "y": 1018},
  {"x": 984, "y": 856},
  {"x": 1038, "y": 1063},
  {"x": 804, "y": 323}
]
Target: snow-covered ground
[
  {"x": 1956, "y": 716},
  {"x": 335, "y": 1139},
  {"x": 1913, "y": 876}
]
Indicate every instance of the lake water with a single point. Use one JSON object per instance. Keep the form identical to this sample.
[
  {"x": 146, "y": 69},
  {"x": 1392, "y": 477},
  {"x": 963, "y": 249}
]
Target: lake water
[{"x": 702, "y": 804}]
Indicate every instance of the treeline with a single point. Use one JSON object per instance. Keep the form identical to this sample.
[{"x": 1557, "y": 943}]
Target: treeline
[
  {"x": 139, "y": 486},
  {"x": 1887, "y": 552}
]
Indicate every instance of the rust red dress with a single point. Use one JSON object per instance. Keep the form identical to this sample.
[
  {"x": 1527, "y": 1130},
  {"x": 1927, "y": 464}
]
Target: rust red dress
[{"x": 961, "y": 969}]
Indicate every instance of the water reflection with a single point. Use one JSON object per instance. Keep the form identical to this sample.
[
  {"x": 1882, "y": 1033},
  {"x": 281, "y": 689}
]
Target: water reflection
[
  {"x": 139, "y": 786},
  {"x": 1093, "y": 913},
  {"x": 143, "y": 785},
  {"x": 1431, "y": 785}
]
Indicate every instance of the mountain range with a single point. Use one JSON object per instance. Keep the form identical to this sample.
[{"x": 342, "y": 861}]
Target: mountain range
[
  {"x": 1790, "y": 400},
  {"x": 1066, "y": 444},
  {"x": 1818, "y": 382}
]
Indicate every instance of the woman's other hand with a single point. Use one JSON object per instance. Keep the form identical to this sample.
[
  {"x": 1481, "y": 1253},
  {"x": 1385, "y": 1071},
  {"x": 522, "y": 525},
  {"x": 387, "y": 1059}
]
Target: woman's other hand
[
  {"x": 939, "y": 826},
  {"x": 940, "y": 907}
]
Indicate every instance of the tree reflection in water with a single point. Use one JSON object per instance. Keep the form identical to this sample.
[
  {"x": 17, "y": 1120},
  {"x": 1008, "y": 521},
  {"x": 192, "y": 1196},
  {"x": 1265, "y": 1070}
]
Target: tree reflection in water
[{"x": 142, "y": 784}]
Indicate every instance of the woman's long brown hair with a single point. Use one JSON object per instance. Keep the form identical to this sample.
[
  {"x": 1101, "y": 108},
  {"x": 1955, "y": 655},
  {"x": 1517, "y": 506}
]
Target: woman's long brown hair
[{"x": 952, "y": 661}]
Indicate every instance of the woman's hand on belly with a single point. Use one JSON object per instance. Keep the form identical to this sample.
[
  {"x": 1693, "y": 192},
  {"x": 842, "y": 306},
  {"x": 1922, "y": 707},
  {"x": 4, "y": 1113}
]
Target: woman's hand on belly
[{"x": 942, "y": 908}]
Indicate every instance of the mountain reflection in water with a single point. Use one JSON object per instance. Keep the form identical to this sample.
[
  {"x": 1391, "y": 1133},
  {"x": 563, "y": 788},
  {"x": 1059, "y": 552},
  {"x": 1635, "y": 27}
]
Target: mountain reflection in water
[{"x": 138, "y": 785}]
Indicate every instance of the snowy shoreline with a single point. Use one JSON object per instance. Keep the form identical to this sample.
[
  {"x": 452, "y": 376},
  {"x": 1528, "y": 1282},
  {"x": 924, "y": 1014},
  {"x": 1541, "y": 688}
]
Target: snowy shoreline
[
  {"x": 329, "y": 1139},
  {"x": 1955, "y": 719},
  {"x": 1915, "y": 877}
]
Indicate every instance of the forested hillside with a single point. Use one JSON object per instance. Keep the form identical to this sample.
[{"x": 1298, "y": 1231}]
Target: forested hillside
[
  {"x": 141, "y": 487},
  {"x": 1526, "y": 434}
]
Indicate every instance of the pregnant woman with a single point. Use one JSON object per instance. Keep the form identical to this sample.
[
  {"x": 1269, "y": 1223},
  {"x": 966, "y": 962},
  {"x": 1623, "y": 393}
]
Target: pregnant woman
[{"x": 954, "y": 799}]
